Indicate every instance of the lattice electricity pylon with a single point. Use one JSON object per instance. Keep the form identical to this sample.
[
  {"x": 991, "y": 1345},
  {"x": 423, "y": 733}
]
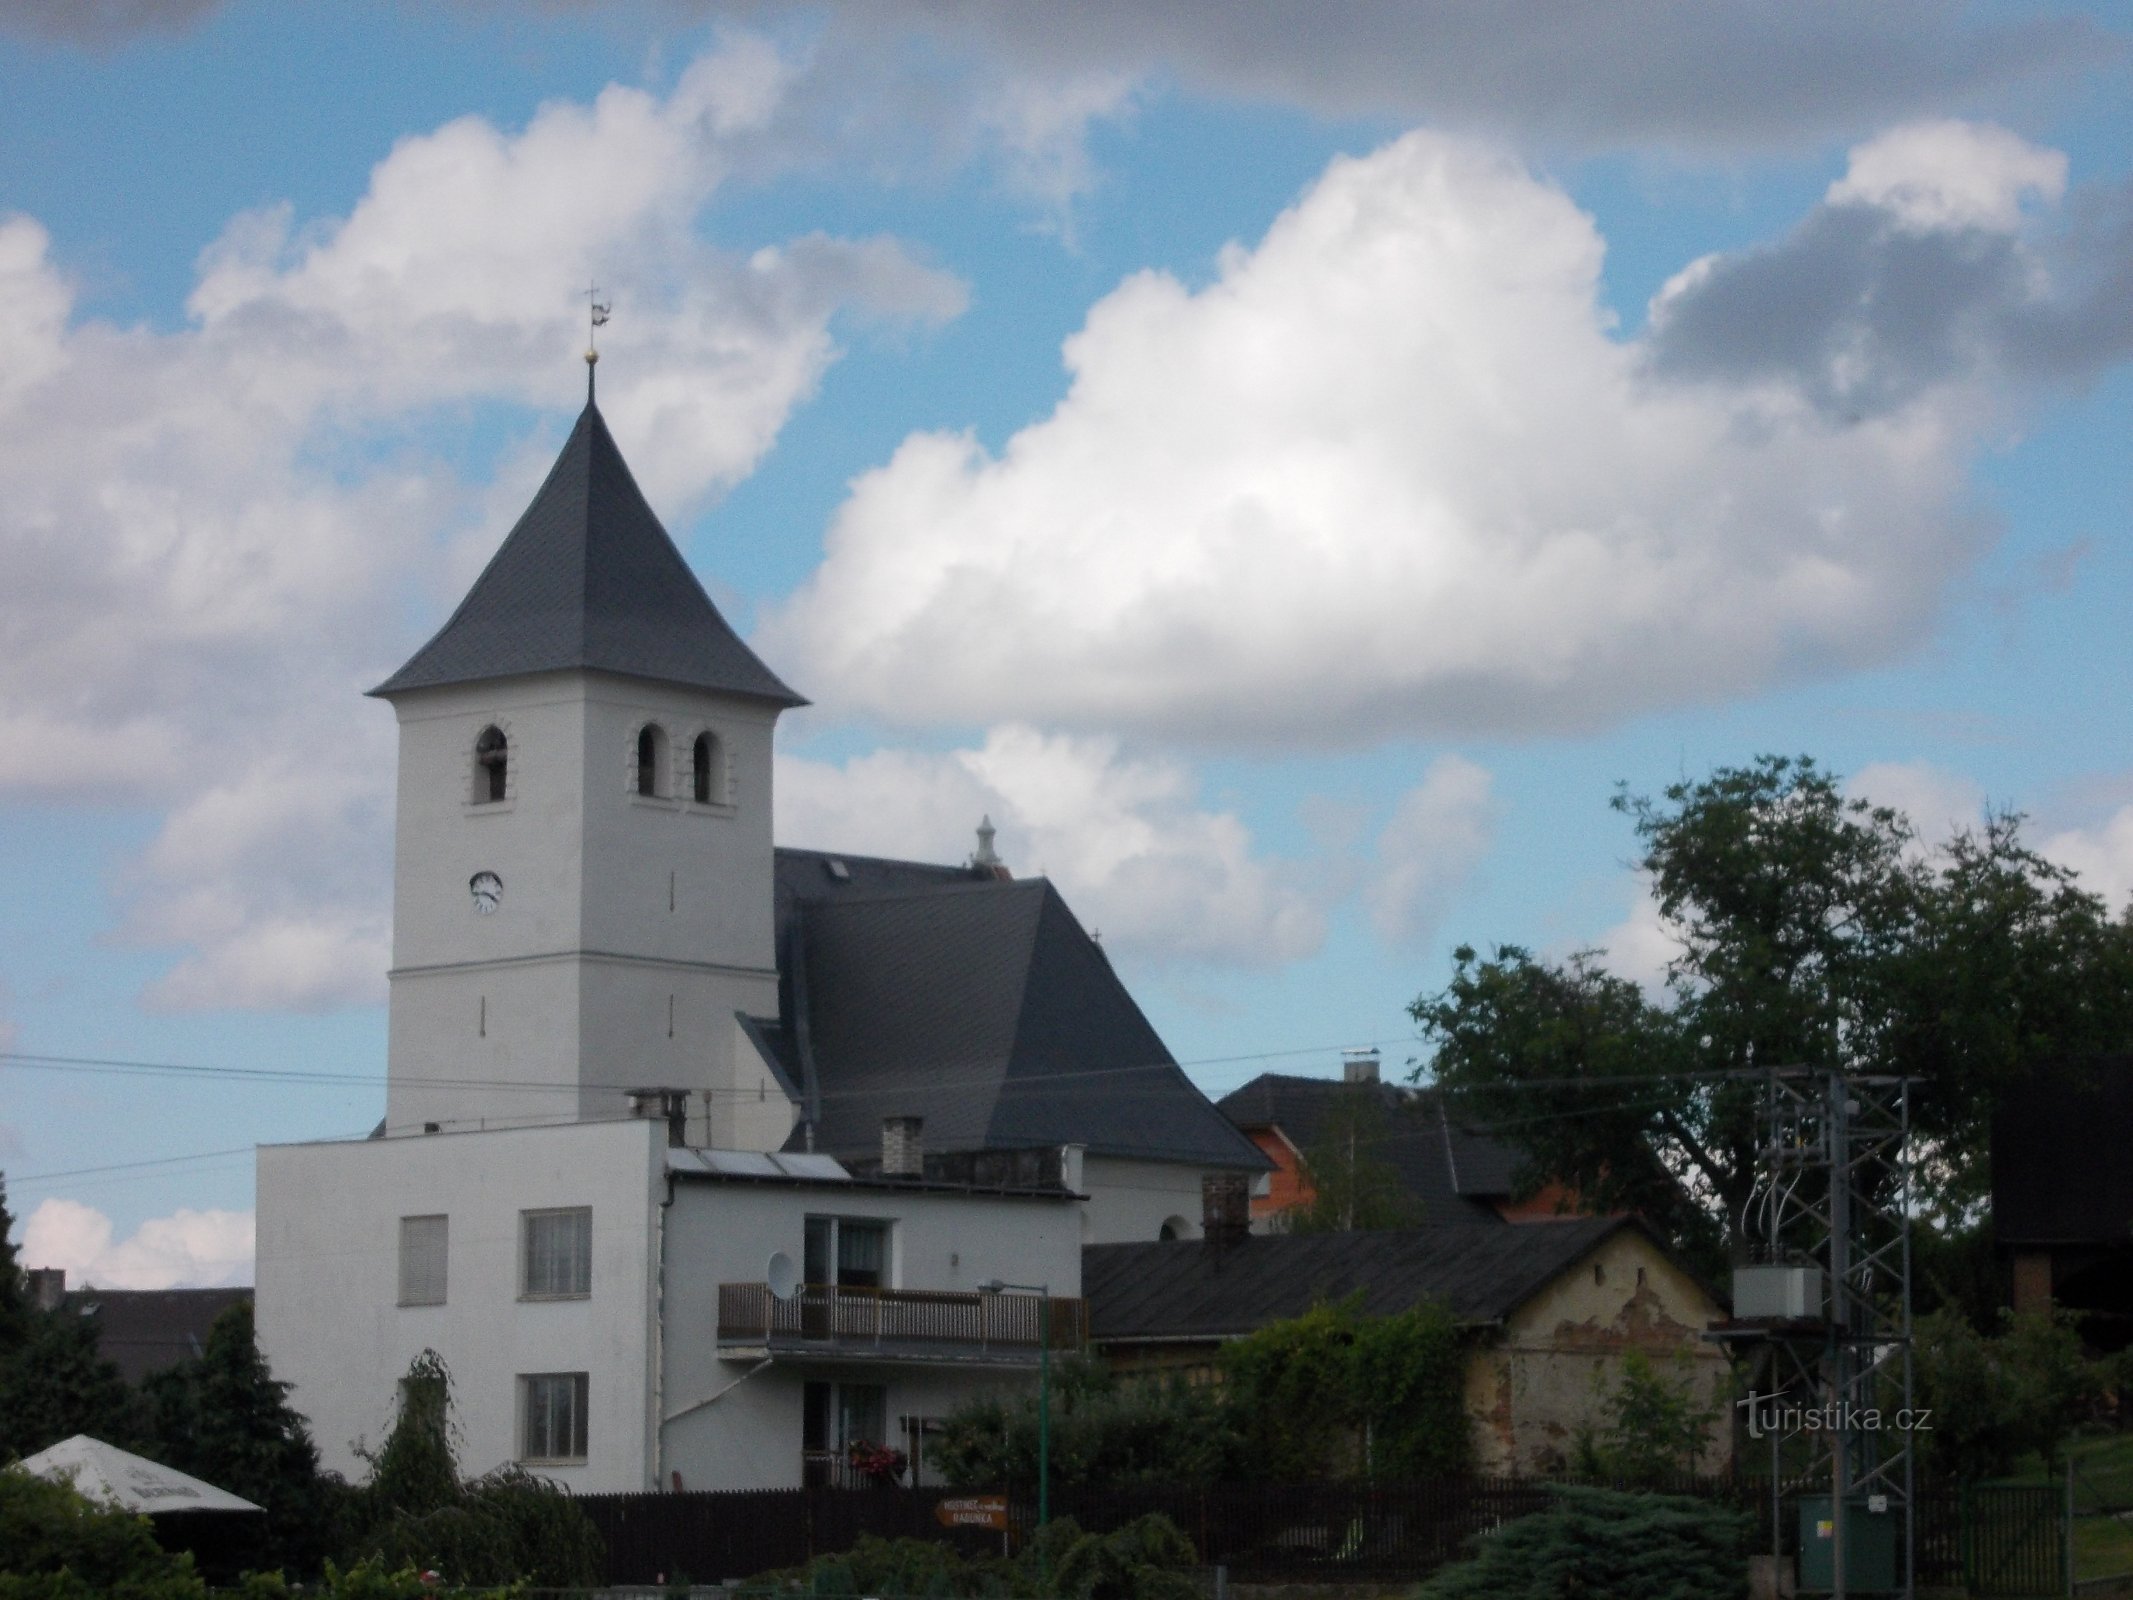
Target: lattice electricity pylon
[{"x": 1833, "y": 1197}]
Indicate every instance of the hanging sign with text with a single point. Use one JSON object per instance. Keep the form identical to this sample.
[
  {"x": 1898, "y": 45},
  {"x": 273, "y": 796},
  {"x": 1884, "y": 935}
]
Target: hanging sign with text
[{"x": 974, "y": 1511}]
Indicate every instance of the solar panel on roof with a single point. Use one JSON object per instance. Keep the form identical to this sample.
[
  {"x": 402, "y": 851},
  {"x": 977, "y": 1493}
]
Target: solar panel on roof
[{"x": 800, "y": 1165}]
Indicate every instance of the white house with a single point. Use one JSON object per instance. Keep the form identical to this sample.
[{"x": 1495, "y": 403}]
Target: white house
[{"x": 698, "y": 1154}]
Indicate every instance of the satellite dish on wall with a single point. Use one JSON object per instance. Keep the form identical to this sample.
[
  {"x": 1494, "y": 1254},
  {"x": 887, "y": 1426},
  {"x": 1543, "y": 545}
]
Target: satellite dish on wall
[{"x": 782, "y": 1276}]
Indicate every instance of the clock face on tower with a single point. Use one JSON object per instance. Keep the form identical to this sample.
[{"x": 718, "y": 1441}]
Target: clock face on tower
[{"x": 487, "y": 889}]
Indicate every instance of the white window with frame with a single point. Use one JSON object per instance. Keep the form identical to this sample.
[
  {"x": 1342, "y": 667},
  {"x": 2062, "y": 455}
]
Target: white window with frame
[
  {"x": 555, "y": 1254},
  {"x": 552, "y": 1416},
  {"x": 424, "y": 1243}
]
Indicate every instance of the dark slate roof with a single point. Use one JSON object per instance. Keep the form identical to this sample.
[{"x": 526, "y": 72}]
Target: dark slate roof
[
  {"x": 1186, "y": 1289},
  {"x": 1453, "y": 1172},
  {"x": 589, "y": 579},
  {"x": 141, "y": 1331},
  {"x": 2062, "y": 1165},
  {"x": 978, "y": 1003}
]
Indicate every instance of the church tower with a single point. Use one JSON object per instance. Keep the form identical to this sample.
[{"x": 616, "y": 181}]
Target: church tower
[{"x": 582, "y": 881}]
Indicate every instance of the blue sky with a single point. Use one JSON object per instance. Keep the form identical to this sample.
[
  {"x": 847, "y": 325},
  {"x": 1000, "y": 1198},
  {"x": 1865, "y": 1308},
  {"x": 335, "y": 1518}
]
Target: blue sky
[{"x": 1288, "y": 476}]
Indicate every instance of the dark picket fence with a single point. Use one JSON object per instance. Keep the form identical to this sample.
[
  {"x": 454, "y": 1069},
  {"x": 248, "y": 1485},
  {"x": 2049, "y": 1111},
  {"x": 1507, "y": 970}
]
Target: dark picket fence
[{"x": 1992, "y": 1541}]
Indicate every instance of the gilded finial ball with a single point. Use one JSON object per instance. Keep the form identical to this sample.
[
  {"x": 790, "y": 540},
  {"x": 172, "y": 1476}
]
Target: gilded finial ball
[{"x": 592, "y": 358}]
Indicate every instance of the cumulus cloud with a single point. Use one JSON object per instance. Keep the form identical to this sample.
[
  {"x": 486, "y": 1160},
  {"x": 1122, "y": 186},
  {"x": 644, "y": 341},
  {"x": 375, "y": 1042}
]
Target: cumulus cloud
[
  {"x": 1939, "y": 803},
  {"x": 1124, "y": 837},
  {"x": 2102, "y": 855},
  {"x": 1439, "y": 831},
  {"x": 216, "y": 536},
  {"x": 186, "y": 1250},
  {"x": 1641, "y": 946},
  {"x": 1391, "y": 472},
  {"x": 1925, "y": 267}
]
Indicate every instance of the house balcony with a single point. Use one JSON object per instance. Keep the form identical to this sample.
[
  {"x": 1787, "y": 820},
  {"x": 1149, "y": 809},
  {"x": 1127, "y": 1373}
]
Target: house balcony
[{"x": 939, "y": 1327}]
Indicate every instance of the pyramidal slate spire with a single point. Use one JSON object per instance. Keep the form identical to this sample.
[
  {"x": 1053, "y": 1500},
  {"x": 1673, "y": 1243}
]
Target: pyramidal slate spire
[{"x": 588, "y": 579}]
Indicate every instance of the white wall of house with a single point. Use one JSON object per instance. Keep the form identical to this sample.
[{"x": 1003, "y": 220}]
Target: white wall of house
[
  {"x": 328, "y": 1285},
  {"x": 1130, "y": 1201},
  {"x": 725, "y": 1232},
  {"x": 330, "y": 1321}
]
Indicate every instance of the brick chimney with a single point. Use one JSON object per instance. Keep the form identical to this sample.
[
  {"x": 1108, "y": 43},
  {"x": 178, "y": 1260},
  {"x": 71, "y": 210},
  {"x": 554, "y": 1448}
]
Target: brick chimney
[
  {"x": 1225, "y": 1209},
  {"x": 903, "y": 1152},
  {"x": 1359, "y": 1066}
]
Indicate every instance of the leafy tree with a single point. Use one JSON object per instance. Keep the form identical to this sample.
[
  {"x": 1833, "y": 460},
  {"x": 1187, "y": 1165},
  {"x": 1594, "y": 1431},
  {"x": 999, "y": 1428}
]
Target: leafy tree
[
  {"x": 1813, "y": 929},
  {"x": 1337, "y": 1394},
  {"x": 1996, "y": 1398},
  {"x": 1106, "y": 1433},
  {"x": 1653, "y": 1428},
  {"x": 416, "y": 1512},
  {"x": 1352, "y": 1184},
  {"x": 1595, "y": 1542},
  {"x": 225, "y": 1418}
]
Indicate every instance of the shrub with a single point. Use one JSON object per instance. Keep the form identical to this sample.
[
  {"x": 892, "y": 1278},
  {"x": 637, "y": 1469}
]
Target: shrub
[
  {"x": 417, "y": 1513},
  {"x": 1652, "y": 1427},
  {"x": 59, "y": 1544},
  {"x": 1599, "y": 1542},
  {"x": 1144, "y": 1560}
]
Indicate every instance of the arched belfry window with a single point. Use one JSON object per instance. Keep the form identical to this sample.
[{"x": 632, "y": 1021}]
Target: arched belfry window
[
  {"x": 651, "y": 759},
  {"x": 492, "y": 765},
  {"x": 705, "y": 768}
]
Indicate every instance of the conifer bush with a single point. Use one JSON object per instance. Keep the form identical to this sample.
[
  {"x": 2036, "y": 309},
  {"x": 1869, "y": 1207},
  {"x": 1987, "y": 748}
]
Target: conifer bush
[{"x": 1600, "y": 1544}]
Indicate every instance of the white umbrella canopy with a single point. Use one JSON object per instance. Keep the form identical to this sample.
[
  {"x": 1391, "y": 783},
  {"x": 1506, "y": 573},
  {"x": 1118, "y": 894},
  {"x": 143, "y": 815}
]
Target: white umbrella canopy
[{"x": 132, "y": 1483}]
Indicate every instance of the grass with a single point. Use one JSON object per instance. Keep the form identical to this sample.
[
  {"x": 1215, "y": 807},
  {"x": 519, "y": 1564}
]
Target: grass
[{"x": 2103, "y": 1483}]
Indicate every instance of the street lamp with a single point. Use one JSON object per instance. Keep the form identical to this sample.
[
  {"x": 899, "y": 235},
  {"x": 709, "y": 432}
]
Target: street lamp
[{"x": 1044, "y": 1405}]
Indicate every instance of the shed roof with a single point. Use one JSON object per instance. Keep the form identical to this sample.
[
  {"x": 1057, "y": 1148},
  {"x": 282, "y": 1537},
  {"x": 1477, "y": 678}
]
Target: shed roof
[
  {"x": 1188, "y": 1289},
  {"x": 589, "y": 579}
]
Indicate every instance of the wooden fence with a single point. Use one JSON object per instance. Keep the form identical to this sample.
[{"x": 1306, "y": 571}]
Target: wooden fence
[{"x": 1993, "y": 1541}]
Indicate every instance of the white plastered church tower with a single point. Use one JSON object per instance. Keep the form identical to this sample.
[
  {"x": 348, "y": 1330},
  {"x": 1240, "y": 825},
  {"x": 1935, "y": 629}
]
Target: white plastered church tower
[{"x": 582, "y": 884}]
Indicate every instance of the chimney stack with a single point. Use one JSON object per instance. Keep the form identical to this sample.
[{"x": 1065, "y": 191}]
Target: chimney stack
[
  {"x": 48, "y": 1287},
  {"x": 1359, "y": 1066},
  {"x": 903, "y": 1152},
  {"x": 669, "y": 1105},
  {"x": 1225, "y": 1209}
]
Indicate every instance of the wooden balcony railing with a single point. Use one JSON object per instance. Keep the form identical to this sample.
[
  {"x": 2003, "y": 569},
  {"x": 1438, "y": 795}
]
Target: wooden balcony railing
[{"x": 906, "y": 1322}]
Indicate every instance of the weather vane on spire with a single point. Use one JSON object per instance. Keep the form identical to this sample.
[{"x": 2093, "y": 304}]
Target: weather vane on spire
[{"x": 596, "y": 310}]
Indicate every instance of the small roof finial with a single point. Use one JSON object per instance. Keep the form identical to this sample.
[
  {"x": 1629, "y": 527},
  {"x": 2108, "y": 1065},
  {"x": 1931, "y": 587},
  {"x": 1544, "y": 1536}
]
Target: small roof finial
[
  {"x": 986, "y": 857},
  {"x": 596, "y": 310}
]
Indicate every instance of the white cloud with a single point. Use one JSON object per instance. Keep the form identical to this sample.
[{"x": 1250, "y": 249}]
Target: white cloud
[
  {"x": 2102, "y": 855},
  {"x": 1945, "y": 174},
  {"x": 1641, "y": 946},
  {"x": 1390, "y": 472},
  {"x": 1123, "y": 837},
  {"x": 1440, "y": 829},
  {"x": 1938, "y": 803},
  {"x": 187, "y": 1249},
  {"x": 216, "y": 536}
]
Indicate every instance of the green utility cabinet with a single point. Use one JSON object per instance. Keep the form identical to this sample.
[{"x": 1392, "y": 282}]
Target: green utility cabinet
[{"x": 1870, "y": 1565}]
